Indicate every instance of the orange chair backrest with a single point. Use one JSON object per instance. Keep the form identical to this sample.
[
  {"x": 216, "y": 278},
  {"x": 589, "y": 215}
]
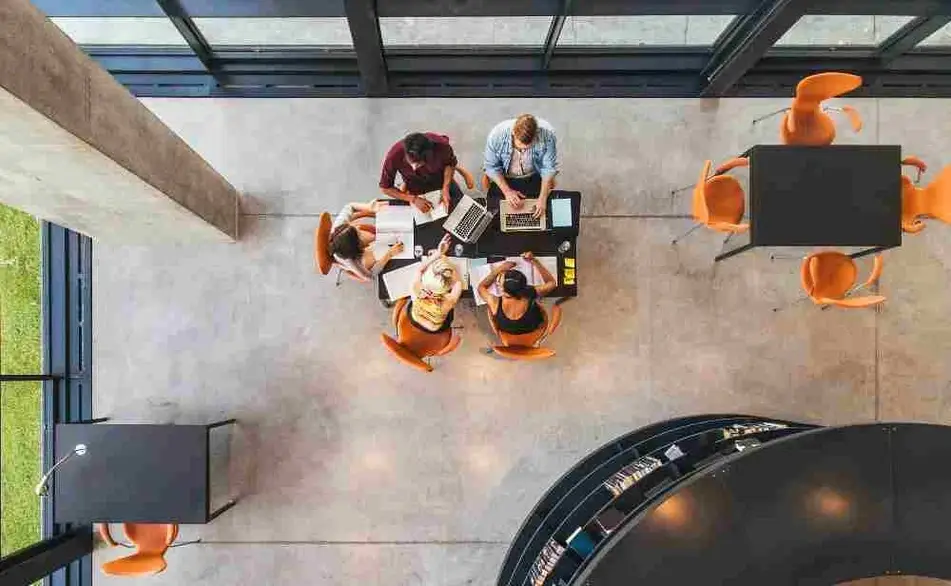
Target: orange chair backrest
[
  {"x": 812, "y": 90},
  {"x": 322, "y": 256},
  {"x": 806, "y": 123},
  {"x": 413, "y": 344},
  {"x": 151, "y": 541},
  {"x": 827, "y": 274},
  {"x": 938, "y": 196},
  {"x": 699, "y": 203}
]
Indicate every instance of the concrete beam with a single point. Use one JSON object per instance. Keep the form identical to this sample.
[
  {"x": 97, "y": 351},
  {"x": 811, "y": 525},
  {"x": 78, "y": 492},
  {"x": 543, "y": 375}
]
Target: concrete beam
[{"x": 77, "y": 149}]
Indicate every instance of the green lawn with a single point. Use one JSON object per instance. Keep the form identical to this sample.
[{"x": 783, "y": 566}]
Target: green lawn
[{"x": 20, "y": 404}]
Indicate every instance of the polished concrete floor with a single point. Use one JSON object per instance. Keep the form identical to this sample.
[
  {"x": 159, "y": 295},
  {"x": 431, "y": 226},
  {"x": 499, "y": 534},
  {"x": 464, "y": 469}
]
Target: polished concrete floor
[{"x": 354, "y": 469}]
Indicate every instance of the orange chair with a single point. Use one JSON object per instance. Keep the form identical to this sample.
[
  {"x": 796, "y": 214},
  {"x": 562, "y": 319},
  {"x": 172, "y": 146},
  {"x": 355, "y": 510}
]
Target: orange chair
[
  {"x": 828, "y": 278},
  {"x": 413, "y": 345},
  {"x": 322, "y": 256},
  {"x": 150, "y": 541},
  {"x": 528, "y": 346},
  {"x": 718, "y": 200},
  {"x": 932, "y": 201},
  {"x": 806, "y": 122}
]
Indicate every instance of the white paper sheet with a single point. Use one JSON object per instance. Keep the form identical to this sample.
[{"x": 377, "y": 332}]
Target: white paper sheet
[
  {"x": 394, "y": 224},
  {"x": 394, "y": 218},
  {"x": 399, "y": 282},
  {"x": 438, "y": 211}
]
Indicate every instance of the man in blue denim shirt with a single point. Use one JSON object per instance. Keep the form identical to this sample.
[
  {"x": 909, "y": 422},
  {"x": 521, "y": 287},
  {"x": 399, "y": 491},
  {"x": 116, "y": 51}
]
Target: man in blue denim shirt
[{"x": 521, "y": 157}]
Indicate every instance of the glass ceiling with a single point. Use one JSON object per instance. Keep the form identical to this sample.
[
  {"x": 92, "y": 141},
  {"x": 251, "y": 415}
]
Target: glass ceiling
[{"x": 313, "y": 44}]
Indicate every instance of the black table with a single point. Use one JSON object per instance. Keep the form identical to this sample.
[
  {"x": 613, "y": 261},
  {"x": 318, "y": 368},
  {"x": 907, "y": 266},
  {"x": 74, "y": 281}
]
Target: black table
[
  {"x": 135, "y": 474},
  {"x": 840, "y": 195},
  {"x": 495, "y": 245}
]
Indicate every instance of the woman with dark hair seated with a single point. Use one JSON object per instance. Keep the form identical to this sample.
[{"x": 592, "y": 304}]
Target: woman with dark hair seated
[
  {"x": 350, "y": 243},
  {"x": 517, "y": 311}
]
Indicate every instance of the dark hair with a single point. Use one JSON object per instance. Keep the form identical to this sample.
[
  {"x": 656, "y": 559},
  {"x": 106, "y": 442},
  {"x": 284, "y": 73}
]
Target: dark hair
[
  {"x": 515, "y": 283},
  {"x": 525, "y": 128},
  {"x": 345, "y": 242},
  {"x": 417, "y": 146}
]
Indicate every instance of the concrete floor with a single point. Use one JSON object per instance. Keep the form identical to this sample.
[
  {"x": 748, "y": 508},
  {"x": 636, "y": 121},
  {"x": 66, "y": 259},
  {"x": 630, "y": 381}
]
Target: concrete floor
[{"x": 357, "y": 470}]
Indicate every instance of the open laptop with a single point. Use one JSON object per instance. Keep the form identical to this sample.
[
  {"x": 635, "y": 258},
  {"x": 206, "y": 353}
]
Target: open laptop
[
  {"x": 468, "y": 220},
  {"x": 521, "y": 220}
]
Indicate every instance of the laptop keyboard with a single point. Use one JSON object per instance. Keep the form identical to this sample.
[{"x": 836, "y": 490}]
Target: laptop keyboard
[
  {"x": 522, "y": 220},
  {"x": 469, "y": 222}
]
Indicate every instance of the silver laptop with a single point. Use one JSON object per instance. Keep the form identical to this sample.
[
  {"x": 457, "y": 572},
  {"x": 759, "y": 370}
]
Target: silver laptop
[
  {"x": 521, "y": 220},
  {"x": 468, "y": 220}
]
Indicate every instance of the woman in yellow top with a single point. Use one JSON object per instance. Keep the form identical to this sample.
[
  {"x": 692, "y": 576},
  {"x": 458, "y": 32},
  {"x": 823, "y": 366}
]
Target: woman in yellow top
[{"x": 436, "y": 291}]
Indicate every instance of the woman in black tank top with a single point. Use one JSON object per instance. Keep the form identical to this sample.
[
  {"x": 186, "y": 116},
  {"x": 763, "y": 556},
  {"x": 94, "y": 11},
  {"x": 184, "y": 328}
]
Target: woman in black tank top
[{"x": 517, "y": 311}]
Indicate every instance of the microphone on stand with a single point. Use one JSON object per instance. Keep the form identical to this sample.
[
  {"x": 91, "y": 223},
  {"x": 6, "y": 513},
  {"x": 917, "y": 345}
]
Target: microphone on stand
[{"x": 43, "y": 487}]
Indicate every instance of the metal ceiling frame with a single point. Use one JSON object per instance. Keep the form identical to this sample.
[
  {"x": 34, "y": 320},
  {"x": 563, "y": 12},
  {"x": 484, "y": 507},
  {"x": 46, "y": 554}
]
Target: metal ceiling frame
[{"x": 742, "y": 62}]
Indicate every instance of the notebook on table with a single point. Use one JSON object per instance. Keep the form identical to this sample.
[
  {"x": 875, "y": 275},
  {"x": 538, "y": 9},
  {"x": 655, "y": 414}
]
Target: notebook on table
[
  {"x": 399, "y": 282},
  {"x": 480, "y": 271},
  {"x": 394, "y": 224},
  {"x": 437, "y": 212}
]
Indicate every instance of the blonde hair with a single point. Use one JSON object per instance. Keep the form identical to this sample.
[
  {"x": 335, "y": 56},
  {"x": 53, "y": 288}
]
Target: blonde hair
[{"x": 438, "y": 278}]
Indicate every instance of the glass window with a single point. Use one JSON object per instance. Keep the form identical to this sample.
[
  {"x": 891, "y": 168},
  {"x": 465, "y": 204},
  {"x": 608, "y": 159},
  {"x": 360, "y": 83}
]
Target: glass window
[
  {"x": 841, "y": 30},
  {"x": 21, "y": 404},
  {"x": 477, "y": 30},
  {"x": 298, "y": 32},
  {"x": 942, "y": 36},
  {"x": 120, "y": 31},
  {"x": 628, "y": 31}
]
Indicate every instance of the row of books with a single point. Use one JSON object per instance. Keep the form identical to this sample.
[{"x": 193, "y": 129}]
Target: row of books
[
  {"x": 582, "y": 543},
  {"x": 545, "y": 562}
]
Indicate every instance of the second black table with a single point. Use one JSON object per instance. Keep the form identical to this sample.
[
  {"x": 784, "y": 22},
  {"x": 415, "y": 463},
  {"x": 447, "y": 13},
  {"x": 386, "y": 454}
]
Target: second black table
[{"x": 841, "y": 195}]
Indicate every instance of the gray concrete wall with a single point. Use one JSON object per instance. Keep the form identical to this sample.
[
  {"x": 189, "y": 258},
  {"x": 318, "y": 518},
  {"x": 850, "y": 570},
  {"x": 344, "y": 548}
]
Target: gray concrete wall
[{"x": 76, "y": 148}]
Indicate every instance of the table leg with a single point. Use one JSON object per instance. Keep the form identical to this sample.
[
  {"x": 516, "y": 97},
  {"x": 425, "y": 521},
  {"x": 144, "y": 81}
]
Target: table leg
[
  {"x": 221, "y": 510},
  {"x": 733, "y": 252},
  {"x": 869, "y": 251},
  {"x": 221, "y": 423}
]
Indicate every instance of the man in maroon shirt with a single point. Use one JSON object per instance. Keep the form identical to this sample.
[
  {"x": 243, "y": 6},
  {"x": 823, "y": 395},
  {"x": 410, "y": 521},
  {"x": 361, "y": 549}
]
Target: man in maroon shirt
[{"x": 426, "y": 163}]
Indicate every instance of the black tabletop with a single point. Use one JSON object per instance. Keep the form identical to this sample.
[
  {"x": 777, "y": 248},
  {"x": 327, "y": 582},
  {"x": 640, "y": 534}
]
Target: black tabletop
[
  {"x": 132, "y": 473},
  {"x": 496, "y": 245},
  {"x": 817, "y": 508},
  {"x": 841, "y": 195}
]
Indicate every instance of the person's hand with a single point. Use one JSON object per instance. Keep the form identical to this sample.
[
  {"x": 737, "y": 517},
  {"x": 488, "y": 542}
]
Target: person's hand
[
  {"x": 538, "y": 210},
  {"x": 396, "y": 249},
  {"x": 506, "y": 266},
  {"x": 445, "y": 197},
  {"x": 377, "y": 204},
  {"x": 514, "y": 198},
  {"x": 444, "y": 244},
  {"x": 528, "y": 256},
  {"x": 422, "y": 204}
]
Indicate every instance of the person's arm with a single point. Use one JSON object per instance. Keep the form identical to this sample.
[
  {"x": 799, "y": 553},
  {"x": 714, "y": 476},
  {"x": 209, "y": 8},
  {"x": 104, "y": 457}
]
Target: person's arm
[
  {"x": 548, "y": 171},
  {"x": 375, "y": 265},
  {"x": 489, "y": 298},
  {"x": 550, "y": 283},
  {"x": 454, "y": 295},
  {"x": 447, "y": 174}
]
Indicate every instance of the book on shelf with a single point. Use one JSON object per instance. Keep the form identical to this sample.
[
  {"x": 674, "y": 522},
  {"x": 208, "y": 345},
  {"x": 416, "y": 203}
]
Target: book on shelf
[
  {"x": 741, "y": 429},
  {"x": 631, "y": 474},
  {"x": 581, "y": 543},
  {"x": 545, "y": 562}
]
